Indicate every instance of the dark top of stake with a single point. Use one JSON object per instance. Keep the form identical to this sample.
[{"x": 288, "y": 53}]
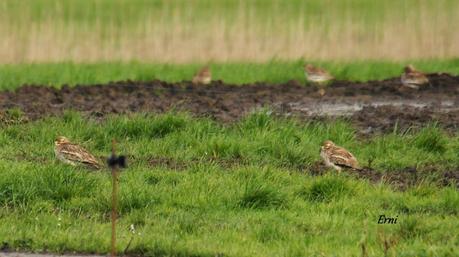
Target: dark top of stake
[{"x": 114, "y": 161}]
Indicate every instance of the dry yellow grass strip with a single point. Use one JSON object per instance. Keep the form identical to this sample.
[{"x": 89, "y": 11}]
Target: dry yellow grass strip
[{"x": 183, "y": 37}]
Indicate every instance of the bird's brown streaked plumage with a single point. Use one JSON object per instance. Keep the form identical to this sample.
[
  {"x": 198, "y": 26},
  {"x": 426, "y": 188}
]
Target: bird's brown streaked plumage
[
  {"x": 413, "y": 78},
  {"x": 74, "y": 154},
  {"x": 204, "y": 76},
  {"x": 337, "y": 157},
  {"x": 316, "y": 74}
]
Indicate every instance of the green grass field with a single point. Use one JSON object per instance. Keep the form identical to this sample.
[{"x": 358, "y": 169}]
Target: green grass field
[
  {"x": 57, "y": 74},
  {"x": 196, "y": 187},
  {"x": 235, "y": 190}
]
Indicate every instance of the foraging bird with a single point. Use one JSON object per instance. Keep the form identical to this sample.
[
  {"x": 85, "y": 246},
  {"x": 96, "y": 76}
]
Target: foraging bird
[
  {"x": 203, "y": 76},
  {"x": 317, "y": 76},
  {"x": 412, "y": 78},
  {"x": 337, "y": 157},
  {"x": 74, "y": 154}
]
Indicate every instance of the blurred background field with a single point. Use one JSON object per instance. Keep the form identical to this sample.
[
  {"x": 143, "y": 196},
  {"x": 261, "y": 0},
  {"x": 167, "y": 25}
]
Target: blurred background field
[{"x": 182, "y": 31}]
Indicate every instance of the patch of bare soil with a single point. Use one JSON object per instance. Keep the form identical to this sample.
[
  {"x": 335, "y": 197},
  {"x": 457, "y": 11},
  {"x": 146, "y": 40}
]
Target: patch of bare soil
[
  {"x": 385, "y": 118},
  {"x": 400, "y": 179},
  {"x": 374, "y": 106}
]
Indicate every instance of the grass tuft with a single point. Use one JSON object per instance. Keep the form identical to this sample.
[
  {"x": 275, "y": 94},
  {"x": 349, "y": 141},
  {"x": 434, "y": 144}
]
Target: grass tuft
[
  {"x": 431, "y": 139},
  {"x": 411, "y": 227},
  {"x": 326, "y": 189},
  {"x": 259, "y": 120},
  {"x": 450, "y": 201},
  {"x": 259, "y": 196},
  {"x": 146, "y": 126},
  {"x": 20, "y": 189},
  {"x": 269, "y": 233},
  {"x": 222, "y": 148}
]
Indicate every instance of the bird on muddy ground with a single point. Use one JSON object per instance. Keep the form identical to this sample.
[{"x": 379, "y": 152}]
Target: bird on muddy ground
[
  {"x": 74, "y": 154},
  {"x": 318, "y": 76},
  {"x": 204, "y": 76},
  {"x": 337, "y": 157},
  {"x": 413, "y": 78}
]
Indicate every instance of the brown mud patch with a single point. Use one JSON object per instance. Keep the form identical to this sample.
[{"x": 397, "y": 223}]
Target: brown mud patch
[
  {"x": 373, "y": 107},
  {"x": 399, "y": 179},
  {"x": 385, "y": 119}
]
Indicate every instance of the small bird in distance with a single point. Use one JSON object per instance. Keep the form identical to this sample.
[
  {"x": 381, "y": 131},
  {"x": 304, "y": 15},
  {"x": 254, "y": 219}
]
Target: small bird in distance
[
  {"x": 318, "y": 76},
  {"x": 413, "y": 78},
  {"x": 204, "y": 76}
]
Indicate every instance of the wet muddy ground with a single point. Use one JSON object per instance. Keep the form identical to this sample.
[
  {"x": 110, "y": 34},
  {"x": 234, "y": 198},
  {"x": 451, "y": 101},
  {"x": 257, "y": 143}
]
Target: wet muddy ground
[
  {"x": 398, "y": 179},
  {"x": 373, "y": 107}
]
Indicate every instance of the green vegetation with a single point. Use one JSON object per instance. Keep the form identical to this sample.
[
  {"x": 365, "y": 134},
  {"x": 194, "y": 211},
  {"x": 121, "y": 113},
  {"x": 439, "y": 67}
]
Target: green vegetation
[
  {"x": 195, "y": 187},
  {"x": 14, "y": 76}
]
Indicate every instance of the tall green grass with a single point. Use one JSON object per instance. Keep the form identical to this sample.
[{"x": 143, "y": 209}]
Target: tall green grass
[
  {"x": 243, "y": 189},
  {"x": 258, "y": 139}
]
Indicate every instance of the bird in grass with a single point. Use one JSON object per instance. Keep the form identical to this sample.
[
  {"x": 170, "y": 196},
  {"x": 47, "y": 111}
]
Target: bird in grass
[
  {"x": 317, "y": 76},
  {"x": 337, "y": 157},
  {"x": 412, "y": 78},
  {"x": 74, "y": 154},
  {"x": 204, "y": 76}
]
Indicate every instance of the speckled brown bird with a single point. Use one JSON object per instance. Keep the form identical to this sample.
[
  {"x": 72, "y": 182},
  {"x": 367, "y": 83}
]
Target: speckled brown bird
[
  {"x": 337, "y": 157},
  {"x": 74, "y": 154},
  {"x": 316, "y": 74},
  {"x": 412, "y": 78},
  {"x": 204, "y": 76}
]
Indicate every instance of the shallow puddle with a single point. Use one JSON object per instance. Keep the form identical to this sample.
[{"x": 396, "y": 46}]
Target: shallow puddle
[{"x": 348, "y": 108}]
